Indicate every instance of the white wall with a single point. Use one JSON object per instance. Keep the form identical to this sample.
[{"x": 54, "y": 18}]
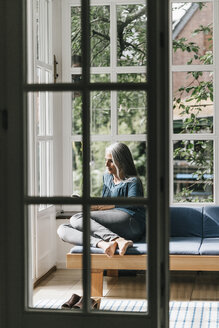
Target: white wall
[{"x": 62, "y": 248}]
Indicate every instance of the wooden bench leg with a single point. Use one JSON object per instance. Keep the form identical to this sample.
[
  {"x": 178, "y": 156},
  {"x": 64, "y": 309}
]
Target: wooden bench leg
[
  {"x": 112, "y": 273},
  {"x": 97, "y": 283}
]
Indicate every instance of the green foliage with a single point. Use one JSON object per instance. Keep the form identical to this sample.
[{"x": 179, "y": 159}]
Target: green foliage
[
  {"x": 197, "y": 156},
  {"x": 186, "y": 46},
  {"x": 132, "y": 112},
  {"x": 100, "y": 35},
  {"x": 131, "y": 35}
]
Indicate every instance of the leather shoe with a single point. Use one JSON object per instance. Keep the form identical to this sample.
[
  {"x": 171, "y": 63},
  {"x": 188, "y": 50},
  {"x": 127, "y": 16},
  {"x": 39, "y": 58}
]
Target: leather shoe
[{"x": 72, "y": 301}]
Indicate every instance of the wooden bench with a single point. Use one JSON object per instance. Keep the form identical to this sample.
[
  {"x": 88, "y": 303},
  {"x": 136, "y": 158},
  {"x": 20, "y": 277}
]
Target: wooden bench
[{"x": 100, "y": 262}]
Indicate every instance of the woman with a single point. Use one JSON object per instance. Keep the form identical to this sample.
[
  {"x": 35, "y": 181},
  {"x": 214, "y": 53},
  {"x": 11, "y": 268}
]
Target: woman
[{"x": 112, "y": 226}]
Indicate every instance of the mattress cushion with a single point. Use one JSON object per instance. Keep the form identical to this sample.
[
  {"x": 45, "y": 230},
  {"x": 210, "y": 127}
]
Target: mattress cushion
[
  {"x": 185, "y": 246},
  {"x": 138, "y": 248},
  {"x": 178, "y": 245},
  {"x": 211, "y": 221},
  {"x": 210, "y": 246}
]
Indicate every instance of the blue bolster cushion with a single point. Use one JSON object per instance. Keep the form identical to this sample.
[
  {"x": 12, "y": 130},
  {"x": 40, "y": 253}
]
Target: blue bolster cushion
[
  {"x": 186, "y": 221},
  {"x": 211, "y": 221}
]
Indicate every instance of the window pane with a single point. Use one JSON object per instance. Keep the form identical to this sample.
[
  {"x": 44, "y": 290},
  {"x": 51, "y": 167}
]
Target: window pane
[
  {"x": 49, "y": 114},
  {"x": 97, "y": 166},
  {"x": 139, "y": 153},
  {"x": 131, "y": 107},
  {"x": 77, "y": 174},
  {"x": 100, "y": 112},
  {"x": 40, "y": 113},
  {"x": 193, "y": 108},
  {"x": 76, "y": 112},
  {"x": 193, "y": 171},
  {"x": 138, "y": 150},
  {"x": 76, "y": 36},
  {"x": 44, "y": 113},
  {"x": 192, "y": 33},
  {"x": 124, "y": 290},
  {"x": 100, "y": 78},
  {"x": 131, "y": 77},
  {"x": 100, "y": 35},
  {"x": 131, "y": 35},
  {"x": 44, "y": 155},
  {"x": 47, "y": 250}
]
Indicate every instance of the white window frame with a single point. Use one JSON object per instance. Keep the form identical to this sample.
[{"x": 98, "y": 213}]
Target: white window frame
[
  {"x": 40, "y": 111},
  {"x": 43, "y": 73},
  {"x": 203, "y": 136}
]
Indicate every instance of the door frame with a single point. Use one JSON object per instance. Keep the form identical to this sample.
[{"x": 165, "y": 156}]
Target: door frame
[{"x": 15, "y": 247}]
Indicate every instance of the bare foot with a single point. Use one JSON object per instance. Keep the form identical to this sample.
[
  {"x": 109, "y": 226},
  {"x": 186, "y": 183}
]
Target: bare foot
[
  {"x": 123, "y": 244},
  {"x": 108, "y": 247}
]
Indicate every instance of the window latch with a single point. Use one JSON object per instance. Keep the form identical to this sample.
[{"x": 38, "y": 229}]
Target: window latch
[
  {"x": 4, "y": 115},
  {"x": 55, "y": 74}
]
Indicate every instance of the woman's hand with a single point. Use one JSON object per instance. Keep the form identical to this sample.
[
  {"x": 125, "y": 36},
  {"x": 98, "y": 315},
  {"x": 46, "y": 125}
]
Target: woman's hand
[{"x": 101, "y": 207}]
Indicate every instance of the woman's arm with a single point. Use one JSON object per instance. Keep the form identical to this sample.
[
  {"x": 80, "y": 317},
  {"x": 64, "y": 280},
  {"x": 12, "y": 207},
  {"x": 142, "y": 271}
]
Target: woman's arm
[{"x": 101, "y": 207}]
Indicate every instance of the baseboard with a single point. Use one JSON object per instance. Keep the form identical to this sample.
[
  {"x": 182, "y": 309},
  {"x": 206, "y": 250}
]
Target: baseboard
[{"x": 38, "y": 281}]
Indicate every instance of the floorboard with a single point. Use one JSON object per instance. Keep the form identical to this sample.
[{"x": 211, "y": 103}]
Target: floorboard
[{"x": 184, "y": 286}]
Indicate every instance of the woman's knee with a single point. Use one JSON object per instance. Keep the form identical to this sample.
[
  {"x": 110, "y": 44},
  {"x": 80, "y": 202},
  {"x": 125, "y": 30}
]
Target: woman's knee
[
  {"x": 76, "y": 220},
  {"x": 61, "y": 231}
]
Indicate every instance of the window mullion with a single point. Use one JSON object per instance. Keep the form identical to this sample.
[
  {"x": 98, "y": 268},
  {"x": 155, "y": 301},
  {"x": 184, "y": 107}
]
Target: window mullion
[
  {"x": 192, "y": 68},
  {"x": 216, "y": 99},
  {"x": 113, "y": 64},
  {"x": 85, "y": 45}
]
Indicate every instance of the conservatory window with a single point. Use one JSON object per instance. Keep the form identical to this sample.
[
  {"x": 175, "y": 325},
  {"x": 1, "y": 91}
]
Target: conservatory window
[{"x": 193, "y": 100}]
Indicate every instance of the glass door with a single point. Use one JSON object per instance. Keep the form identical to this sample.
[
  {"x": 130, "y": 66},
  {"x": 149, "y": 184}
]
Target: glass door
[{"x": 112, "y": 86}]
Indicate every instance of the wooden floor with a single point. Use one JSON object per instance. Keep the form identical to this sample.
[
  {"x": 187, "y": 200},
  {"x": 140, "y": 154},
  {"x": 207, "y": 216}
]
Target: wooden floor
[{"x": 183, "y": 286}]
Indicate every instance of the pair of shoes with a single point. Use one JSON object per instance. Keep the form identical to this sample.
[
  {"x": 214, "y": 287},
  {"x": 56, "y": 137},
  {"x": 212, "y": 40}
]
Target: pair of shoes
[
  {"x": 74, "y": 299},
  {"x": 76, "y": 302},
  {"x": 95, "y": 304}
]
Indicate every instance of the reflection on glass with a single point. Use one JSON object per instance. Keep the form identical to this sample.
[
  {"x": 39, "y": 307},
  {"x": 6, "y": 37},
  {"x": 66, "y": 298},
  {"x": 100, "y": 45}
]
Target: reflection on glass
[
  {"x": 132, "y": 77},
  {"x": 131, "y": 112},
  {"x": 100, "y": 112},
  {"x": 77, "y": 167},
  {"x": 193, "y": 171},
  {"x": 192, "y": 33},
  {"x": 131, "y": 35},
  {"x": 193, "y": 102},
  {"x": 100, "y": 35}
]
